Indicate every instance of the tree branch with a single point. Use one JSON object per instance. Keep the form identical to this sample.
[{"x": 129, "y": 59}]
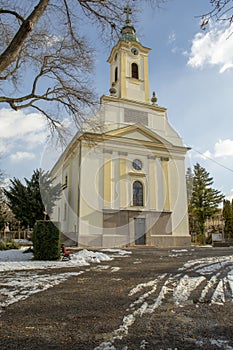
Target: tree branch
[
  {"x": 14, "y": 13},
  {"x": 11, "y": 72},
  {"x": 49, "y": 45},
  {"x": 221, "y": 11},
  {"x": 11, "y": 52}
]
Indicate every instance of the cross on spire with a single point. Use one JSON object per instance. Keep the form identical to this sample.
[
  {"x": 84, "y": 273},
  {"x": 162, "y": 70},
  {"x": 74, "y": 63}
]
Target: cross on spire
[{"x": 127, "y": 11}]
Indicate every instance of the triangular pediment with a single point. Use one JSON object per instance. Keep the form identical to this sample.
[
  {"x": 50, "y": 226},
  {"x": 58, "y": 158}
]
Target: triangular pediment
[{"x": 138, "y": 133}]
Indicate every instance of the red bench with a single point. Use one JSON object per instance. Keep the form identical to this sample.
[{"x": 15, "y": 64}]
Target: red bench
[{"x": 65, "y": 253}]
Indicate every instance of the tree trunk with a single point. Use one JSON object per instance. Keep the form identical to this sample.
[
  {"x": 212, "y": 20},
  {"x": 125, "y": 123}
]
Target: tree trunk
[{"x": 13, "y": 49}]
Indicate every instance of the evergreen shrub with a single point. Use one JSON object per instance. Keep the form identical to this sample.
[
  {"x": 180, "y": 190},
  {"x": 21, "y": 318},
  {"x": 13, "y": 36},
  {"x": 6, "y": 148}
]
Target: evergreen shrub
[
  {"x": 3, "y": 245},
  {"x": 46, "y": 241},
  {"x": 201, "y": 239},
  {"x": 10, "y": 244}
]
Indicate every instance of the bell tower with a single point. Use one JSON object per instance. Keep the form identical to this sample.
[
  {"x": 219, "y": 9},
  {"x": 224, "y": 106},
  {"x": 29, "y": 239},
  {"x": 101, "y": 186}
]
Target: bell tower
[{"x": 129, "y": 76}]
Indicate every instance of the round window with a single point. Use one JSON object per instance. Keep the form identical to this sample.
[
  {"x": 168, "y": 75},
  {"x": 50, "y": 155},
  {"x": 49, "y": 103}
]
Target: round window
[{"x": 137, "y": 164}]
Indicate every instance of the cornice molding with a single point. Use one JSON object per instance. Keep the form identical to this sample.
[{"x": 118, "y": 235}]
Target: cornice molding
[
  {"x": 127, "y": 46},
  {"x": 106, "y": 98}
]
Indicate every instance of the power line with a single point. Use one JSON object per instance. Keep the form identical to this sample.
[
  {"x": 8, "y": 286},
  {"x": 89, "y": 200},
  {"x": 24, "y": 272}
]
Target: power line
[{"x": 213, "y": 160}]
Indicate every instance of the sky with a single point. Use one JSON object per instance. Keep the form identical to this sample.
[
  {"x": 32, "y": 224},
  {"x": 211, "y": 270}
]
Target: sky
[{"x": 191, "y": 72}]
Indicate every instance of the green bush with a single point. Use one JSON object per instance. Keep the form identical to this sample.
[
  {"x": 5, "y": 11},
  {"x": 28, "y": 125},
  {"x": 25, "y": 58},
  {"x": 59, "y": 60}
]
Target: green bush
[
  {"x": 201, "y": 239},
  {"x": 46, "y": 241},
  {"x": 10, "y": 244},
  {"x": 3, "y": 245}
]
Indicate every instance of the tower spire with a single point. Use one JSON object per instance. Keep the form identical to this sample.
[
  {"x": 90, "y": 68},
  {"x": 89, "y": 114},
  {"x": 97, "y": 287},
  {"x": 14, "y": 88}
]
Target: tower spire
[
  {"x": 129, "y": 76},
  {"x": 127, "y": 11},
  {"x": 128, "y": 32}
]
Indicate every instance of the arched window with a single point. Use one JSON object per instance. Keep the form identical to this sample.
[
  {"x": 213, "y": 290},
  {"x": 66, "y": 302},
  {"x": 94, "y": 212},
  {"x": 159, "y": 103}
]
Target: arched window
[
  {"x": 116, "y": 74},
  {"x": 64, "y": 186},
  {"x": 137, "y": 194},
  {"x": 134, "y": 68}
]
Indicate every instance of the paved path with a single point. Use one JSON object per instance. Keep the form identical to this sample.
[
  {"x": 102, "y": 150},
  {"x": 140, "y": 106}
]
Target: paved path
[{"x": 152, "y": 299}]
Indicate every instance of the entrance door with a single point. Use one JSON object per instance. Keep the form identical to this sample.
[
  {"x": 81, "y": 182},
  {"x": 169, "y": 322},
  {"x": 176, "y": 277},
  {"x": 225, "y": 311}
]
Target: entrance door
[{"x": 139, "y": 231}]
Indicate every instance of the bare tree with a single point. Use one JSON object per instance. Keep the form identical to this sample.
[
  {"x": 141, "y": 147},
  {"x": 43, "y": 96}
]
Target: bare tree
[
  {"x": 2, "y": 204},
  {"x": 221, "y": 10},
  {"x": 46, "y": 61}
]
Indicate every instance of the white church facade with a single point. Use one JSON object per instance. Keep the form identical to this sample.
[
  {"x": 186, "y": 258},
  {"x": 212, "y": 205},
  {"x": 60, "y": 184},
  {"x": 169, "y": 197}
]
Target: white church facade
[{"x": 124, "y": 182}]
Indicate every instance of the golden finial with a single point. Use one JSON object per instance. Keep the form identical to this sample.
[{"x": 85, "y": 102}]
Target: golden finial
[
  {"x": 154, "y": 98},
  {"x": 112, "y": 89}
]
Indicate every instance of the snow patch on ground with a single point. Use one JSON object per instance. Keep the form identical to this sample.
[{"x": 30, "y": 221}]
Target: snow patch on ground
[
  {"x": 15, "y": 260},
  {"x": 20, "y": 277},
  {"x": 141, "y": 286},
  {"x": 21, "y": 286},
  {"x": 117, "y": 252},
  {"x": 179, "y": 250},
  {"x": 115, "y": 269},
  {"x": 186, "y": 285},
  {"x": 230, "y": 281},
  {"x": 211, "y": 264},
  {"x": 217, "y": 343},
  {"x": 218, "y": 296},
  {"x": 86, "y": 257},
  {"x": 221, "y": 344},
  {"x": 210, "y": 284}
]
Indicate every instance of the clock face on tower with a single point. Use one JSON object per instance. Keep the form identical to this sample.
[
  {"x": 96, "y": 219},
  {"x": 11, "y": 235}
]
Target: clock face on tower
[{"x": 134, "y": 51}]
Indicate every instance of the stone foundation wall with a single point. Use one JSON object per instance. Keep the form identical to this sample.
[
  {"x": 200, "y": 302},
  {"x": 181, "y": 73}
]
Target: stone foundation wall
[{"x": 170, "y": 241}]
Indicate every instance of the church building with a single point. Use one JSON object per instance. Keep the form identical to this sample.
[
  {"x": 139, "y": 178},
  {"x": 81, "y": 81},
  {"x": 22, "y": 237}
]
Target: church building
[{"x": 124, "y": 180}]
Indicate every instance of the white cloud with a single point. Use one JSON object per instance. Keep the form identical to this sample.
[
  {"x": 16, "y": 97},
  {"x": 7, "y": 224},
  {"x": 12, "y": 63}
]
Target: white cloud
[
  {"x": 20, "y": 156},
  {"x": 3, "y": 147},
  {"x": 223, "y": 148},
  {"x": 20, "y": 129},
  {"x": 226, "y": 67},
  {"x": 172, "y": 37},
  {"x": 213, "y": 48},
  {"x": 17, "y": 124},
  {"x": 172, "y": 43},
  {"x": 206, "y": 154}
]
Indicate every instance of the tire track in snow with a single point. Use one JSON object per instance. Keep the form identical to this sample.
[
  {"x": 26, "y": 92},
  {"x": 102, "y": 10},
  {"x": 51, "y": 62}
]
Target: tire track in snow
[{"x": 210, "y": 278}]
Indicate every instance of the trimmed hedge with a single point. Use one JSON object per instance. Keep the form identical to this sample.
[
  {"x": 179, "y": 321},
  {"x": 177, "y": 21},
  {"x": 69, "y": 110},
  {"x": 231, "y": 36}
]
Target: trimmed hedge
[{"x": 46, "y": 241}]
